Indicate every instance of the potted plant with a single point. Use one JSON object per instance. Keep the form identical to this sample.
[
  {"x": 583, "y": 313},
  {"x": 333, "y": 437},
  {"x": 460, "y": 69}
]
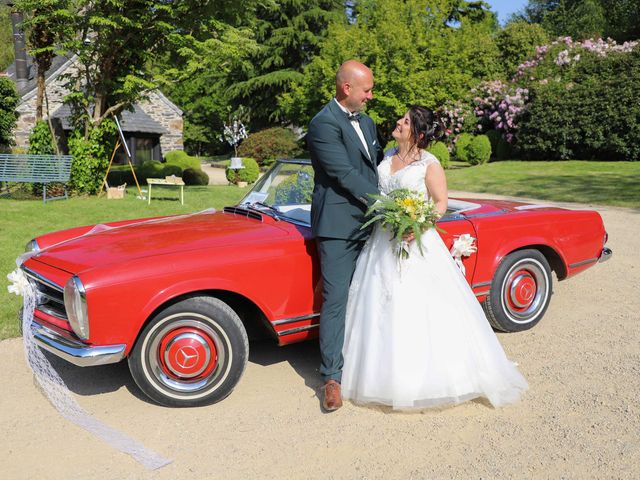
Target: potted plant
[{"x": 234, "y": 132}]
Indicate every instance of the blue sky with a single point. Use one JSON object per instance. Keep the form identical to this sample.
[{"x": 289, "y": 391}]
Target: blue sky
[{"x": 504, "y": 8}]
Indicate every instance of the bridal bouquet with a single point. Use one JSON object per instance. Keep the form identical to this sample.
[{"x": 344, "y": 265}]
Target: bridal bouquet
[{"x": 403, "y": 212}]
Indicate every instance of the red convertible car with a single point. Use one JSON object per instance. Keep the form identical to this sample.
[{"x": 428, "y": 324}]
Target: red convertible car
[{"x": 180, "y": 296}]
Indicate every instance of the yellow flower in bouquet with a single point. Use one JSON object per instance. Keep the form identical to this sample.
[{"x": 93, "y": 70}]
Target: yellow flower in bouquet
[{"x": 403, "y": 212}]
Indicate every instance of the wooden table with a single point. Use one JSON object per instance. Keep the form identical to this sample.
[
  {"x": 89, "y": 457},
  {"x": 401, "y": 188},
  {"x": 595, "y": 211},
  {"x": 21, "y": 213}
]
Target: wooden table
[{"x": 168, "y": 181}]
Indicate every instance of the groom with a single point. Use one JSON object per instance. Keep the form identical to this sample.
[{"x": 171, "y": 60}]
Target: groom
[{"x": 345, "y": 154}]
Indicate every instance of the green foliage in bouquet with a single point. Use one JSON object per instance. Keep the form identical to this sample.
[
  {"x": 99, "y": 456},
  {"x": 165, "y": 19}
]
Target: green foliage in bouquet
[{"x": 403, "y": 212}]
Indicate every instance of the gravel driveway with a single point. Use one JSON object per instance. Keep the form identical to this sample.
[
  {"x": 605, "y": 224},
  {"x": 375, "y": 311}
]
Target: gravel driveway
[{"x": 580, "y": 418}]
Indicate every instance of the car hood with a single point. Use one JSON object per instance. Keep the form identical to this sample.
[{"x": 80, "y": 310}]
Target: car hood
[{"x": 105, "y": 245}]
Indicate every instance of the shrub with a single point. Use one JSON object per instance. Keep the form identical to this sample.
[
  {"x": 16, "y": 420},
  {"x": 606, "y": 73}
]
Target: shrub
[
  {"x": 249, "y": 173},
  {"x": 41, "y": 143},
  {"x": 40, "y": 139},
  {"x": 118, "y": 176},
  {"x": 461, "y": 146},
  {"x": 504, "y": 150},
  {"x": 182, "y": 160},
  {"x": 441, "y": 152},
  {"x": 91, "y": 157},
  {"x": 8, "y": 116},
  {"x": 149, "y": 169},
  {"x": 595, "y": 114},
  {"x": 268, "y": 145},
  {"x": 479, "y": 150},
  {"x": 494, "y": 137},
  {"x": 169, "y": 170},
  {"x": 192, "y": 176}
]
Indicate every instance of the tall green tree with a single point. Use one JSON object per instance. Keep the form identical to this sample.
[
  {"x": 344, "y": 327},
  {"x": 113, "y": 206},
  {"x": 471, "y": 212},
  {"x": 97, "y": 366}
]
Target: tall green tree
[
  {"x": 49, "y": 24},
  {"x": 414, "y": 52},
  {"x": 517, "y": 42},
  {"x": 585, "y": 18},
  {"x": 288, "y": 34},
  {"x": 197, "y": 76},
  {"x": 6, "y": 38}
]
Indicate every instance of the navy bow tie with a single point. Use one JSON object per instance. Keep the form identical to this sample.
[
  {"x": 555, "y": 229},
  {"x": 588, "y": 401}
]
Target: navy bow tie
[{"x": 353, "y": 116}]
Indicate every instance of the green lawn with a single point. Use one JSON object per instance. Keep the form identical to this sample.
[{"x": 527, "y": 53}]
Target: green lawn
[
  {"x": 21, "y": 220},
  {"x": 600, "y": 183},
  {"x": 603, "y": 183}
]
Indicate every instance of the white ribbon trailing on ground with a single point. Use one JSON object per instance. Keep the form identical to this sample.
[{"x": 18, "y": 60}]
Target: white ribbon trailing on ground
[
  {"x": 53, "y": 386},
  {"x": 462, "y": 247}
]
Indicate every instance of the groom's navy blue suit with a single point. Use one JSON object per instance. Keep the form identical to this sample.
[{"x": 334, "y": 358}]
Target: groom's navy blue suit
[{"x": 345, "y": 175}]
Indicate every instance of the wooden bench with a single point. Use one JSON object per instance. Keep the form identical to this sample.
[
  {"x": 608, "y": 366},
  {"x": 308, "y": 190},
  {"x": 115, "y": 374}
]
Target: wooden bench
[{"x": 25, "y": 168}]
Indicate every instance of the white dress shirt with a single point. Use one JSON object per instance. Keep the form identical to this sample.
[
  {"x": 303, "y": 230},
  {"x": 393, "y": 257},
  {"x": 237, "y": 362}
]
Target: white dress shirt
[{"x": 356, "y": 126}]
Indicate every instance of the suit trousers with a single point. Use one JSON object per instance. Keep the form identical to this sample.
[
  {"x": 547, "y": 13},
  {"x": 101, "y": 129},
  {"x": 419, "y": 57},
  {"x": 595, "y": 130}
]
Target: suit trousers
[{"x": 337, "y": 263}]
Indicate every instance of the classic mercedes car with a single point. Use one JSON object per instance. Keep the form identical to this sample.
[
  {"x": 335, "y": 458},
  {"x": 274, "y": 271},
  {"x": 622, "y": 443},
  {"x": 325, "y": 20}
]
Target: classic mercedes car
[{"x": 180, "y": 296}]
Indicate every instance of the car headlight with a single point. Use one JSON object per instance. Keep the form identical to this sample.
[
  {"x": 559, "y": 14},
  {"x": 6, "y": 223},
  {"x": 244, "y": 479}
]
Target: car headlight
[
  {"x": 75, "y": 302},
  {"x": 32, "y": 246}
]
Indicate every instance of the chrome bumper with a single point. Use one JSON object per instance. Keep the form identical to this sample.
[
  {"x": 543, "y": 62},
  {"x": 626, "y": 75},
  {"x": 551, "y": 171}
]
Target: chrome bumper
[
  {"x": 605, "y": 255},
  {"x": 63, "y": 345}
]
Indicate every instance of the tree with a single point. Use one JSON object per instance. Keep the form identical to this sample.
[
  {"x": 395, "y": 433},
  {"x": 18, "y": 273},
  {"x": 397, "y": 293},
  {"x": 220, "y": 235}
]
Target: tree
[
  {"x": 517, "y": 42},
  {"x": 49, "y": 25},
  {"x": 415, "y": 55},
  {"x": 6, "y": 38},
  {"x": 197, "y": 76},
  {"x": 581, "y": 19},
  {"x": 288, "y": 34},
  {"x": 8, "y": 116}
]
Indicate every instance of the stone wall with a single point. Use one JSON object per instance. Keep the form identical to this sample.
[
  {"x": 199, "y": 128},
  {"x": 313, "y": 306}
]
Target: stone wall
[
  {"x": 27, "y": 106},
  {"x": 158, "y": 107}
]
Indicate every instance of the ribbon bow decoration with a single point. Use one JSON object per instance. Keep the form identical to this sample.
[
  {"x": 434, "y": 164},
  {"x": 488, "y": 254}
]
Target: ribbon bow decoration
[
  {"x": 19, "y": 282},
  {"x": 462, "y": 247}
]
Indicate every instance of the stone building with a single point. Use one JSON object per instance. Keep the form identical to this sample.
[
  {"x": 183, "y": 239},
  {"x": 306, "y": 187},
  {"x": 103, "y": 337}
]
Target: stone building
[{"x": 153, "y": 128}]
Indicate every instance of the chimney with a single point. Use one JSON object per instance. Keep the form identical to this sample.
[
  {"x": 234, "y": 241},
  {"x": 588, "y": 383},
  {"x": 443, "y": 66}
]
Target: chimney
[{"x": 22, "y": 75}]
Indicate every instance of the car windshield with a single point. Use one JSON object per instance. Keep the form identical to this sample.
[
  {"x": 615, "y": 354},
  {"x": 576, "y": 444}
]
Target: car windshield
[{"x": 287, "y": 188}]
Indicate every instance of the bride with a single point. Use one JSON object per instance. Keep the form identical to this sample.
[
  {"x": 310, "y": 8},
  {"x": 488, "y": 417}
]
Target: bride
[{"x": 416, "y": 336}]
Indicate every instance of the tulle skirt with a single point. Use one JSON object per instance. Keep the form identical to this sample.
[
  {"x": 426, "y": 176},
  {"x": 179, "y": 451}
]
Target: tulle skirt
[{"x": 416, "y": 336}]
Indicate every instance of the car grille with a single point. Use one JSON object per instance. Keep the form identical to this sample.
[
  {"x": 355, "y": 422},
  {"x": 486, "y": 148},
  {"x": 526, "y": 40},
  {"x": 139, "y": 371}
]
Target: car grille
[{"x": 49, "y": 296}]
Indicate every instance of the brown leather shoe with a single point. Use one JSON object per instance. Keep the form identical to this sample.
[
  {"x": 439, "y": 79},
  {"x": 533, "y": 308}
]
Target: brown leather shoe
[{"x": 332, "y": 397}]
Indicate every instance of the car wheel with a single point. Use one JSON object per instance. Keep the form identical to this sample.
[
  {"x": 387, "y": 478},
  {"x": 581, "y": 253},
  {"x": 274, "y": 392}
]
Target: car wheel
[
  {"x": 190, "y": 354},
  {"x": 520, "y": 291}
]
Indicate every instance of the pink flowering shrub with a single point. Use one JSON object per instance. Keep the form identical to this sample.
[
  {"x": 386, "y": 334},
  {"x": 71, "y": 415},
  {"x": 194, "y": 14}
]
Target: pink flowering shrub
[
  {"x": 554, "y": 105},
  {"x": 497, "y": 107}
]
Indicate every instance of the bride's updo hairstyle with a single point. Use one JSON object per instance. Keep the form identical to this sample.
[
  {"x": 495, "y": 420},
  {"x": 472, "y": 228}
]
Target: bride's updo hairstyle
[{"x": 425, "y": 127}]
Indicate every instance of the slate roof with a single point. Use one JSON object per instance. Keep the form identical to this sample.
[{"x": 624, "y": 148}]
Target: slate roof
[
  {"x": 131, "y": 122},
  {"x": 56, "y": 63}
]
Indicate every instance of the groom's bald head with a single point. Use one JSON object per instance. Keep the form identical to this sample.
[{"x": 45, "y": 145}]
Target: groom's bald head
[{"x": 354, "y": 85}]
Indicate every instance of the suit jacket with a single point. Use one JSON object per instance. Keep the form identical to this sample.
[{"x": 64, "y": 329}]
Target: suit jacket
[{"x": 344, "y": 174}]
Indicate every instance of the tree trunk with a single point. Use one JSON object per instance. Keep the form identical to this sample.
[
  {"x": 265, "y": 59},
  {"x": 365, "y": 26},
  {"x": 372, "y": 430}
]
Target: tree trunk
[{"x": 40, "y": 94}]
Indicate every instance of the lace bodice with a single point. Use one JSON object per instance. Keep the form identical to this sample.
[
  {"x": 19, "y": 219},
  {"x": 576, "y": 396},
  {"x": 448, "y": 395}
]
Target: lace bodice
[{"x": 412, "y": 176}]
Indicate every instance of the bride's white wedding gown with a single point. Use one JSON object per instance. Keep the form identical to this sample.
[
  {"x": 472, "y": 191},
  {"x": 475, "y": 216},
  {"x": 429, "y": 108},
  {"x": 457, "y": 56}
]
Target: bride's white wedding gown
[{"x": 417, "y": 337}]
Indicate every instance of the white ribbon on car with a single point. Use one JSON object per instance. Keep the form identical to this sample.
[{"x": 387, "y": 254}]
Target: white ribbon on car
[
  {"x": 54, "y": 387},
  {"x": 463, "y": 246}
]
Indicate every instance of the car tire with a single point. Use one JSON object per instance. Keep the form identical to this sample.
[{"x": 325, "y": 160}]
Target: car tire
[
  {"x": 190, "y": 354},
  {"x": 520, "y": 291}
]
